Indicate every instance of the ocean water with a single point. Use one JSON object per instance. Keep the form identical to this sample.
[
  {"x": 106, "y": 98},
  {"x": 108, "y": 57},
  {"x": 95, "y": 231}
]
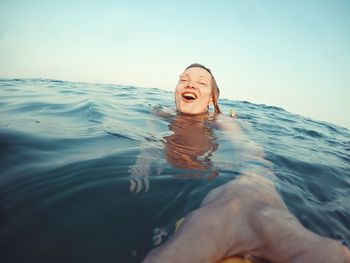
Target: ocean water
[{"x": 93, "y": 172}]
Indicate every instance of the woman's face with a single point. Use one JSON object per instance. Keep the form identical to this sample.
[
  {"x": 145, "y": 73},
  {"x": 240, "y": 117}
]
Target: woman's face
[{"x": 193, "y": 91}]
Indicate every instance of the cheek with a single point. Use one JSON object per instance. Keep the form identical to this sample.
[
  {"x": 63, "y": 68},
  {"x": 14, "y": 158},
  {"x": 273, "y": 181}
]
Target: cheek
[
  {"x": 178, "y": 89},
  {"x": 177, "y": 93},
  {"x": 207, "y": 95}
]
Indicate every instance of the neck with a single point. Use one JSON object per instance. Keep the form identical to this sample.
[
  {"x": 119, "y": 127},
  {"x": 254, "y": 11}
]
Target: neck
[{"x": 195, "y": 116}]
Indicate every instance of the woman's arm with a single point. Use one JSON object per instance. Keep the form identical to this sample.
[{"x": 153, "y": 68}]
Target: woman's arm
[
  {"x": 246, "y": 217},
  {"x": 251, "y": 156}
]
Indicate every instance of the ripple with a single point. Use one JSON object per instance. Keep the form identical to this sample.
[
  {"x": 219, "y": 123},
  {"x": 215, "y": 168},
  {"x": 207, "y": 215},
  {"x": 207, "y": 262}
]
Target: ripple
[{"x": 67, "y": 149}]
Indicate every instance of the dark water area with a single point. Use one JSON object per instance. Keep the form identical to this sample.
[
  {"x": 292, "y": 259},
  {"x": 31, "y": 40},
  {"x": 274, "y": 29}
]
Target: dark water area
[{"x": 88, "y": 172}]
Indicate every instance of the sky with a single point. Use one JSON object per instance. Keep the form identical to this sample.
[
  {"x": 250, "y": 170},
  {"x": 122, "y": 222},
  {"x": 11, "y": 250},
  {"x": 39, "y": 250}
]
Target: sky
[{"x": 290, "y": 54}]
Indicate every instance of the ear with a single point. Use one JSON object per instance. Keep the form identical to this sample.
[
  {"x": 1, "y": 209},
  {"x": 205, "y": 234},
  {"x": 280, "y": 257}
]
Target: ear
[{"x": 211, "y": 101}]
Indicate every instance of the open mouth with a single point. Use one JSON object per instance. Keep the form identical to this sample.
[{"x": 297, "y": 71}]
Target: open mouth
[{"x": 189, "y": 96}]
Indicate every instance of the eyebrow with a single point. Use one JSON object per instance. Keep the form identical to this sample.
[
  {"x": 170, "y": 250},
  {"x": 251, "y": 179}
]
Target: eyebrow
[{"x": 185, "y": 74}]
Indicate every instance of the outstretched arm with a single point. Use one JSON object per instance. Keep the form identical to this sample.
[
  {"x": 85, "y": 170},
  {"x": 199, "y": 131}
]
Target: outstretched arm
[{"x": 246, "y": 217}]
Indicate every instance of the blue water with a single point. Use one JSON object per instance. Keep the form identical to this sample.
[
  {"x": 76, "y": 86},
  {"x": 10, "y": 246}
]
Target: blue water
[{"x": 90, "y": 172}]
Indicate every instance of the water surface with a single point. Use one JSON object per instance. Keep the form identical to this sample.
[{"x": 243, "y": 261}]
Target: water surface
[{"x": 89, "y": 172}]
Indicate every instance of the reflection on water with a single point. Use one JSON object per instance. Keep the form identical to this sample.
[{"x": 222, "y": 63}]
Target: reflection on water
[
  {"x": 88, "y": 173},
  {"x": 192, "y": 143},
  {"x": 189, "y": 148}
]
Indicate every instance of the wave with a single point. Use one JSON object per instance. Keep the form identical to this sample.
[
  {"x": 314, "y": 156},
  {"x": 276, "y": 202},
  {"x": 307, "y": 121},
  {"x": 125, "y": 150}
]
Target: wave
[{"x": 67, "y": 150}]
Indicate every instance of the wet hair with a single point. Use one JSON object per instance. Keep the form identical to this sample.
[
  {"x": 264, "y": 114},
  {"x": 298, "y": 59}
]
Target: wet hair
[{"x": 214, "y": 87}]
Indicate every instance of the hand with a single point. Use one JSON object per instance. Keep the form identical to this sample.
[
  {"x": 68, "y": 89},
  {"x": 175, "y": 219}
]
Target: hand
[
  {"x": 140, "y": 171},
  {"x": 246, "y": 217}
]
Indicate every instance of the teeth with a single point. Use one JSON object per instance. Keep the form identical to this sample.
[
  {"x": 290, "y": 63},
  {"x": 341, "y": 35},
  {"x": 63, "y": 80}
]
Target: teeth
[{"x": 189, "y": 95}]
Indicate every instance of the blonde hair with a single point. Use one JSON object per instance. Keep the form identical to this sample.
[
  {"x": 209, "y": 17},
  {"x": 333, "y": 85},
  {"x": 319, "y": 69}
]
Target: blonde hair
[{"x": 214, "y": 86}]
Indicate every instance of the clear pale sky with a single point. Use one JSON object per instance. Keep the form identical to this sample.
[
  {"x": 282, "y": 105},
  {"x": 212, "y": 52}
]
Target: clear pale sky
[{"x": 291, "y": 54}]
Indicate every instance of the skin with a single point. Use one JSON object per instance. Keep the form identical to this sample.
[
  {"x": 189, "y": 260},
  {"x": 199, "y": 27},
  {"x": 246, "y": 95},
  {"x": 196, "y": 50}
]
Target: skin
[
  {"x": 196, "y": 81},
  {"x": 245, "y": 217},
  {"x": 188, "y": 150}
]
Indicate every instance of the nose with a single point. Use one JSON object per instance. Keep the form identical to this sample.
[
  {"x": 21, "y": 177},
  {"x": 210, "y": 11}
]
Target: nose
[{"x": 190, "y": 84}]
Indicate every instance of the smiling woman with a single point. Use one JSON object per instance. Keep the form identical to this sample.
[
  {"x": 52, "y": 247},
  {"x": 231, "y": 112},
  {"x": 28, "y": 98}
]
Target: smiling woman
[
  {"x": 245, "y": 219},
  {"x": 196, "y": 90}
]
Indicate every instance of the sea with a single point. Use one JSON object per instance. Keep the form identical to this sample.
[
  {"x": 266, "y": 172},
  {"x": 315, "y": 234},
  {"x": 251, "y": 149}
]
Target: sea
[{"x": 103, "y": 172}]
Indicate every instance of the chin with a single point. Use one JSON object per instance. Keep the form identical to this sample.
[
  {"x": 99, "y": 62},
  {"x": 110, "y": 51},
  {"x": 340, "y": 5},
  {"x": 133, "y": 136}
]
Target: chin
[
  {"x": 191, "y": 111},
  {"x": 189, "y": 108}
]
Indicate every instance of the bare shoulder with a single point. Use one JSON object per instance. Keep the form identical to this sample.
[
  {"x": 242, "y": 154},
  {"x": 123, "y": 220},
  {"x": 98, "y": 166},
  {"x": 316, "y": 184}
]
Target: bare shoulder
[
  {"x": 163, "y": 112},
  {"x": 229, "y": 124}
]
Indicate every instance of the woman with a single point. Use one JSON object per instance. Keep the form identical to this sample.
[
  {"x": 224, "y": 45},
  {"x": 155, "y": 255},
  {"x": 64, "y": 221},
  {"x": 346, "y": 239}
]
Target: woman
[
  {"x": 245, "y": 217},
  {"x": 196, "y": 90}
]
